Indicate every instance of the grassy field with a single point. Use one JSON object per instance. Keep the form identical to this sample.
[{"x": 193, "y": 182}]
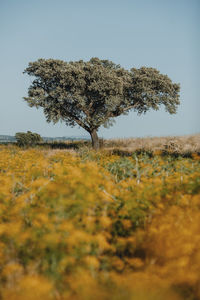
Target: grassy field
[
  {"x": 178, "y": 144},
  {"x": 181, "y": 145},
  {"x": 121, "y": 223}
]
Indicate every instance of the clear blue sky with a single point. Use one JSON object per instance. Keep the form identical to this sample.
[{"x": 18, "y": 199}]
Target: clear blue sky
[{"x": 156, "y": 33}]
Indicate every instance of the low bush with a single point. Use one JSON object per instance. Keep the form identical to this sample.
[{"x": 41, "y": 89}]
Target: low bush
[{"x": 27, "y": 139}]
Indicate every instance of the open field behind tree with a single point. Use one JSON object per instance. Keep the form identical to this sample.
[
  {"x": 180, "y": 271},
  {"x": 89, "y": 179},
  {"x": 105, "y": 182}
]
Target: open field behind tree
[
  {"x": 183, "y": 145},
  {"x": 80, "y": 224},
  {"x": 179, "y": 144}
]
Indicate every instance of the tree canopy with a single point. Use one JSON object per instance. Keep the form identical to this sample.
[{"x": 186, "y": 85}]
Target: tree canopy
[{"x": 93, "y": 93}]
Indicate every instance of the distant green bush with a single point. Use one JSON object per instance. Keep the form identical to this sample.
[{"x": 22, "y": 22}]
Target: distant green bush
[{"x": 27, "y": 139}]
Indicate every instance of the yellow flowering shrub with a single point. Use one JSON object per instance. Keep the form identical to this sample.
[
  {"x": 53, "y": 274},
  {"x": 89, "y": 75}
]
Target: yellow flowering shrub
[{"x": 92, "y": 225}]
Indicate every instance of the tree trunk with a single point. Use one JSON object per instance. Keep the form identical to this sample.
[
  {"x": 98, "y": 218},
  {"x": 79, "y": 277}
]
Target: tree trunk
[{"x": 95, "y": 139}]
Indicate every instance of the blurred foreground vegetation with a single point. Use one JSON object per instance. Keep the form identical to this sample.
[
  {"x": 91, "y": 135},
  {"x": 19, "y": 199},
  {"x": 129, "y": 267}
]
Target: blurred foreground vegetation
[{"x": 98, "y": 225}]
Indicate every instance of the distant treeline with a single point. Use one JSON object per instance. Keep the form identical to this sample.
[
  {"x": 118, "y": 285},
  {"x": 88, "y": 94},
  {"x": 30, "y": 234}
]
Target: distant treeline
[
  {"x": 12, "y": 139},
  {"x": 7, "y": 139}
]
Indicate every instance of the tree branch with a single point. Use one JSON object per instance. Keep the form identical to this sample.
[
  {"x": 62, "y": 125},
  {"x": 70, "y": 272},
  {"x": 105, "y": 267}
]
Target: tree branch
[
  {"x": 113, "y": 114},
  {"x": 78, "y": 121}
]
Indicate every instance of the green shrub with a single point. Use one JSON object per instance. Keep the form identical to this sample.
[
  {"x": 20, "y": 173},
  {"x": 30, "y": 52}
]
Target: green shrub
[{"x": 27, "y": 139}]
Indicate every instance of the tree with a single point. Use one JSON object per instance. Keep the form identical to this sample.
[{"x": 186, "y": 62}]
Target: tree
[
  {"x": 93, "y": 93},
  {"x": 27, "y": 139}
]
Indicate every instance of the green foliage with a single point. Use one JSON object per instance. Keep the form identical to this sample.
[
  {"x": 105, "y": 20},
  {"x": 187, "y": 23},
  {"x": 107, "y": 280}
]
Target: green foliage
[
  {"x": 122, "y": 168},
  {"x": 27, "y": 139}
]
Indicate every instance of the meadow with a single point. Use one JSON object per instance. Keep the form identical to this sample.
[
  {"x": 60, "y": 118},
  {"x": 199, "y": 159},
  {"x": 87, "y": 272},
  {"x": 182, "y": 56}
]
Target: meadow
[{"x": 120, "y": 223}]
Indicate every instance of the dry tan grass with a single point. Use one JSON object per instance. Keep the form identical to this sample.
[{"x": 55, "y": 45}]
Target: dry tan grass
[
  {"x": 182, "y": 144},
  {"x": 52, "y": 152},
  {"x": 179, "y": 144}
]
